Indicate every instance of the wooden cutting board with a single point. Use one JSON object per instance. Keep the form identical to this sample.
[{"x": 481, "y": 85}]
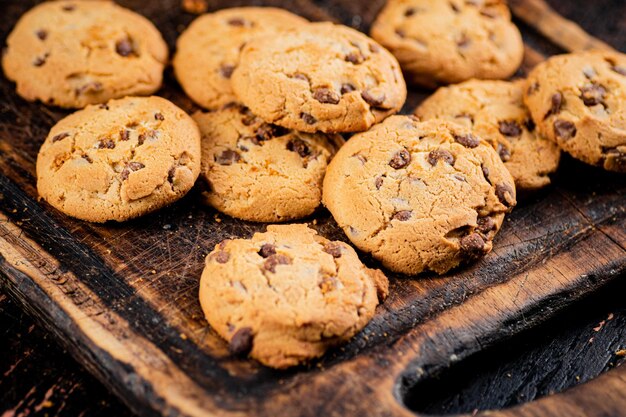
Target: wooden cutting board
[{"x": 122, "y": 298}]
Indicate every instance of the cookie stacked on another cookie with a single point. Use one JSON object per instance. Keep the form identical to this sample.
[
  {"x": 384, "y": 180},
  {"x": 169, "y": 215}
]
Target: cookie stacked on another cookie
[
  {"x": 287, "y": 295},
  {"x": 74, "y": 53},
  {"x": 259, "y": 171},
  {"x": 119, "y": 160},
  {"x": 495, "y": 111},
  {"x": 419, "y": 196},
  {"x": 441, "y": 42},
  {"x": 207, "y": 52},
  {"x": 579, "y": 102},
  {"x": 309, "y": 77}
]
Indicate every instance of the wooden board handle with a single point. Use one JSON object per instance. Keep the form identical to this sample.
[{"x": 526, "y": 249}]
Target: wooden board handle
[{"x": 562, "y": 32}]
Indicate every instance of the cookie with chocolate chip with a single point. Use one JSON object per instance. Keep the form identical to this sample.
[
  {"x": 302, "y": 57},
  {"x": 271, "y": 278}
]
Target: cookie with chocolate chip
[
  {"x": 417, "y": 195},
  {"x": 74, "y": 53},
  {"x": 259, "y": 171},
  {"x": 494, "y": 110},
  {"x": 319, "y": 77},
  {"x": 285, "y": 296},
  {"x": 207, "y": 52},
  {"x": 578, "y": 101},
  {"x": 442, "y": 42},
  {"x": 119, "y": 160}
]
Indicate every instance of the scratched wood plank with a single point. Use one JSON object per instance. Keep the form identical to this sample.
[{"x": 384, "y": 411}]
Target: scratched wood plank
[{"x": 123, "y": 298}]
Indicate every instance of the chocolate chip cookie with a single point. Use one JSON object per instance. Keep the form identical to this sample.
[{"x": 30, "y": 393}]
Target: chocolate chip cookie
[
  {"x": 259, "y": 171},
  {"x": 579, "y": 102},
  {"x": 119, "y": 160},
  {"x": 419, "y": 195},
  {"x": 74, "y": 53},
  {"x": 287, "y": 295},
  {"x": 319, "y": 77},
  {"x": 208, "y": 51},
  {"x": 495, "y": 111},
  {"x": 442, "y": 42}
]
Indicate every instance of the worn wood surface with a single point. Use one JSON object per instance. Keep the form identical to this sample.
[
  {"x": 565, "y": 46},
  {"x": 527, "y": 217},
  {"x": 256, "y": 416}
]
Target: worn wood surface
[
  {"x": 123, "y": 297},
  {"x": 578, "y": 344},
  {"x": 38, "y": 378}
]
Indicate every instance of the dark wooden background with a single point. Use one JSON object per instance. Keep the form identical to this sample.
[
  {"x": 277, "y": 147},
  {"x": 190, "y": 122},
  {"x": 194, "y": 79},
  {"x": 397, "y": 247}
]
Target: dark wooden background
[{"x": 38, "y": 378}]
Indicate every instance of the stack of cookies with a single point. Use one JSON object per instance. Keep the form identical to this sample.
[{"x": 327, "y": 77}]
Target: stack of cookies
[
  {"x": 278, "y": 91},
  {"x": 280, "y": 95}
]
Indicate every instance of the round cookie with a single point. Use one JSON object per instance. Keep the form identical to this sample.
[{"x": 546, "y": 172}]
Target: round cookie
[
  {"x": 74, "y": 53},
  {"x": 287, "y": 295},
  {"x": 258, "y": 171},
  {"x": 579, "y": 101},
  {"x": 319, "y": 77},
  {"x": 119, "y": 160},
  {"x": 443, "y": 42},
  {"x": 419, "y": 195},
  {"x": 495, "y": 111},
  {"x": 207, "y": 52}
]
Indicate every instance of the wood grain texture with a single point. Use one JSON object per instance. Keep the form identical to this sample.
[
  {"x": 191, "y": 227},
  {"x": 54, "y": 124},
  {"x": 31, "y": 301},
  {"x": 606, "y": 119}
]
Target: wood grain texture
[
  {"x": 123, "y": 298},
  {"x": 38, "y": 378}
]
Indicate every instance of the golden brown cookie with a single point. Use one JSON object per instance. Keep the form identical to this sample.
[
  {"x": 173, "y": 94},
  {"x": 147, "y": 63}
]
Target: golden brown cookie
[
  {"x": 207, "y": 52},
  {"x": 579, "y": 102},
  {"x": 319, "y": 77},
  {"x": 259, "y": 171},
  {"x": 287, "y": 295},
  {"x": 119, "y": 160},
  {"x": 495, "y": 111},
  {"x": 74, "y": 53},
  {"x": 442, "y": 42},
  {"x": 419, "y": 195}
]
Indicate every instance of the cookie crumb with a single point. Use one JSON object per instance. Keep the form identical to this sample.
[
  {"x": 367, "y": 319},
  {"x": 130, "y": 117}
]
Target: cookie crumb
[{"x": 195, "y": 6}]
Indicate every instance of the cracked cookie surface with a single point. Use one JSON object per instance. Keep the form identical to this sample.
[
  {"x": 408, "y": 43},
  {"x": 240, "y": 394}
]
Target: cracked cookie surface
[
  {"x": 495, "y": 111},
  {"x": 207, "y": 52},
  {"x": 287, "y": 295},
  {"x": 419, "y": 195},
  {"x": 319, "y": 77},
  {"x": 258, "y": 171},
  {"x": 75, "y": 53},
  {"x": 119, "y": 160},
  {"x": 442, "y": 42},
  {"x": 579, "y": 102}
]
